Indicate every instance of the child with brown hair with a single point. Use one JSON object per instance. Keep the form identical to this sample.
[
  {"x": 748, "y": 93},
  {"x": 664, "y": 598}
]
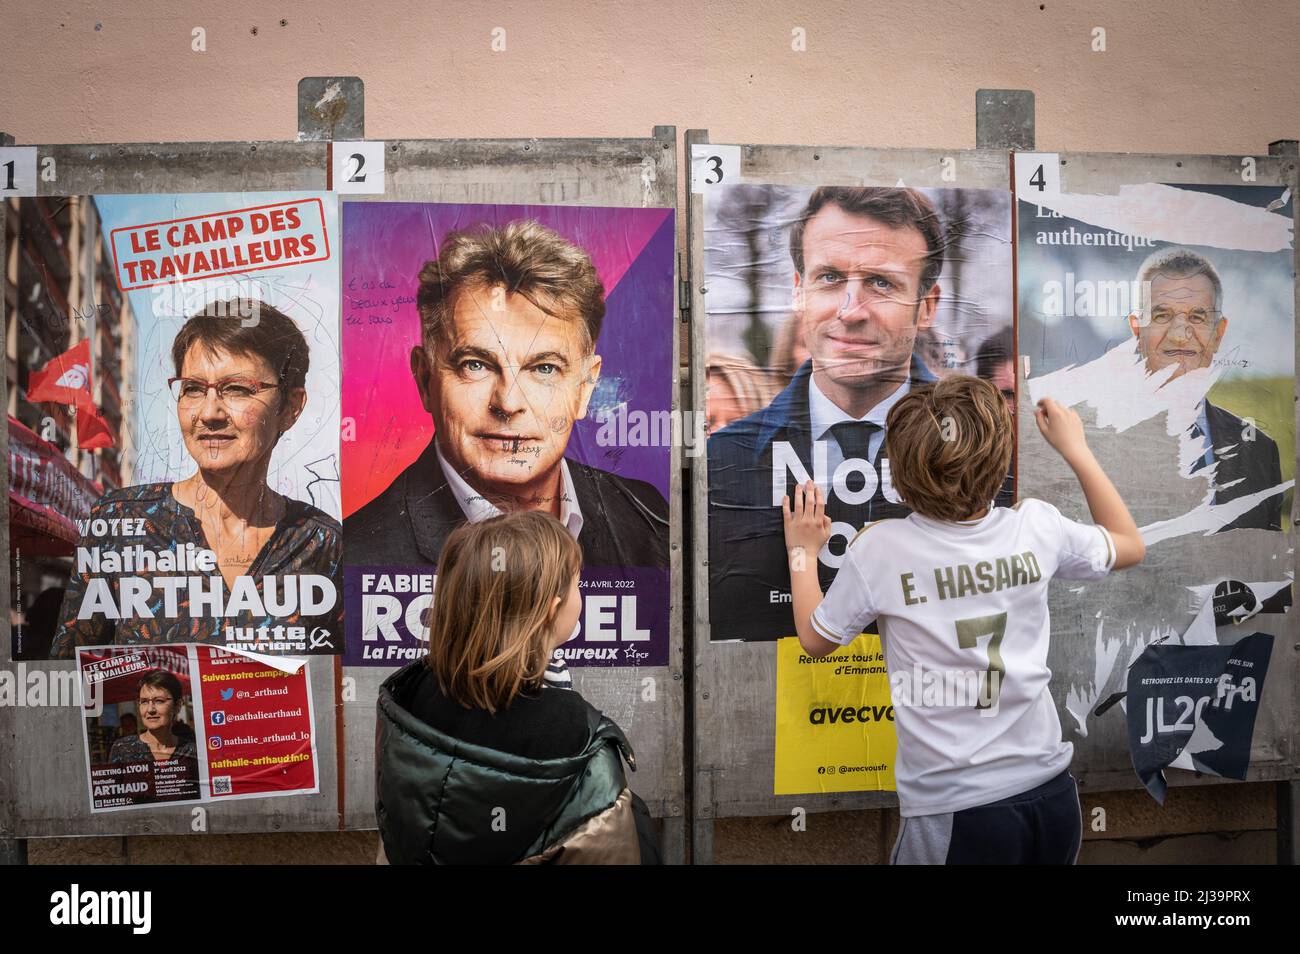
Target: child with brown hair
[
  {"x": 478, "y": 759},
  {"x": 959, "y": 591}
]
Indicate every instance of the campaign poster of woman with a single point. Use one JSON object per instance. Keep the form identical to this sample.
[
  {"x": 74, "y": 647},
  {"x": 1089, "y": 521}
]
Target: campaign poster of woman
[{"x": 219, "y": 520}]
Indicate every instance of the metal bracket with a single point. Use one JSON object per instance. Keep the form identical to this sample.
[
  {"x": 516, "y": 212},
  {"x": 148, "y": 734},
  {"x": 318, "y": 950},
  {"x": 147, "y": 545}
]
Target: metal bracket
[
  {"x": 331, "y": 107},
  {"x": 1004, "y": 119}
]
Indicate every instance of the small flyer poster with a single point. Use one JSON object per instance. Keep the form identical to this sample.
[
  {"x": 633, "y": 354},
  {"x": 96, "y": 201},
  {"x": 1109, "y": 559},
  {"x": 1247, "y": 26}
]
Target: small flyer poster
[
  {"x": 1194, "y": 708},
  {"x": 834, "y": 720},
  {"x": 189, "y": 723}
]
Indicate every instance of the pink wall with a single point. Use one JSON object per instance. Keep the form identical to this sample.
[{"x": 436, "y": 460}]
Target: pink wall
[{"x": 1177, "y": 76}]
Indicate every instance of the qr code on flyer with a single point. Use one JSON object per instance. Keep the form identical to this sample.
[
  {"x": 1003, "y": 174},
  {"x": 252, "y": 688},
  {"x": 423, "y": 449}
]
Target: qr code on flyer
[{"x": 221, "y": 785}]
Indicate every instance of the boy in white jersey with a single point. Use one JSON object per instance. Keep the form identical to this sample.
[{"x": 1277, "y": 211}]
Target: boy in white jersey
[{"x": 959, "y": 590}]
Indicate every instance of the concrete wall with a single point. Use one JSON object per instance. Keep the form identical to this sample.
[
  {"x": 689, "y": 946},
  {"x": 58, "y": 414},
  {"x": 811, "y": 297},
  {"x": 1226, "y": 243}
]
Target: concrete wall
[
  {"x": 1176, "y": 75},
  {"x": 1187, "y": 77}
]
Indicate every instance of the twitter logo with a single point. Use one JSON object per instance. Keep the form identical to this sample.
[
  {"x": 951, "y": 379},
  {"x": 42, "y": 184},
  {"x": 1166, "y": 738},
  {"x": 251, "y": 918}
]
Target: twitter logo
[{"x": 227, "y": 695}]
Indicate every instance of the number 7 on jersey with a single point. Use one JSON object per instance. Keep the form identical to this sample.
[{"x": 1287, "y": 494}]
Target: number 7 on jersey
[{"x": 969, "y": 632}]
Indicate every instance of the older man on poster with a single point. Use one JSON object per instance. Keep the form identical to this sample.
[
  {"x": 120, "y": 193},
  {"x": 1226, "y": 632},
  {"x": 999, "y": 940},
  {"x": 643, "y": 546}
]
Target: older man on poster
[
  {"x": 1181, "y": 327},
  {"x": 866, "y": 280},
  {"x": 507, "y": 364}
]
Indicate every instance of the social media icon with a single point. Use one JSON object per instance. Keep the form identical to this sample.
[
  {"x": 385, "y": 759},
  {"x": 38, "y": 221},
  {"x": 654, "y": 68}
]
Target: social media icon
[
  {"x": 227, "y": 695},
  {"x": 218, "y": 718},
  {"x": 214, "y": 741}
]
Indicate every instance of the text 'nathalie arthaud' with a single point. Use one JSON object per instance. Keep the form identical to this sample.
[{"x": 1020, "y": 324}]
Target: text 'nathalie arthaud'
[{"x": 282, "y": 596}]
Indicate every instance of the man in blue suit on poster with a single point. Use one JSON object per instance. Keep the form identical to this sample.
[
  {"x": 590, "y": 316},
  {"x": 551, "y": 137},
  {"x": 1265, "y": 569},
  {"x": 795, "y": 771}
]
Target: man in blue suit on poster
[{"x": 866, "y": 268}]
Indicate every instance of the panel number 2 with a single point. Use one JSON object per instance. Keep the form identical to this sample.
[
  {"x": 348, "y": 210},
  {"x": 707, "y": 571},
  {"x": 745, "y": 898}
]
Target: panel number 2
[
  {"x": 969, "y": 632},
  {"x": 356, "y": 162}
]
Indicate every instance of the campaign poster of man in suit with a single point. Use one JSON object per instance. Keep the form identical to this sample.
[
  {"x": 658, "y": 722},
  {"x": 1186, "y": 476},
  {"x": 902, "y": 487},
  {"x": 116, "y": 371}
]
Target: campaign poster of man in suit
[
  {"x": 849, "y": 296},
  {"x": 1180, "y": 326},
  {"x": 1164, "y": 314},
  {"x": 483, "y": 371},
  {"x": 1172, "y": 304}
]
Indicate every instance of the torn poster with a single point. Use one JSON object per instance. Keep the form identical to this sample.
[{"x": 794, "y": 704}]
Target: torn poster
[
  {"x": 1194, "y": 707},
  {"x": 1165, "y": 316},
  {"x": 1172, "y": 305}
]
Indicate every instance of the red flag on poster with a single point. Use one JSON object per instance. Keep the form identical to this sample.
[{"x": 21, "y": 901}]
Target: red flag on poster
[
  {"x": 65, "y": 379},
  {"x": 93, "y": 432}
]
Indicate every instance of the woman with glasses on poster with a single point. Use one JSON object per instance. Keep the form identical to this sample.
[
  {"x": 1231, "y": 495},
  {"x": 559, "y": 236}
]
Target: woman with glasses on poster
[
  {"x": 219, "y": 556},
  {"x": 164, "y": 736}
]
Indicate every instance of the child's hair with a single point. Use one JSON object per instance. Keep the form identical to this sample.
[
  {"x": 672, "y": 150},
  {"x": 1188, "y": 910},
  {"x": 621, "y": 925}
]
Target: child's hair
[
  {"x": 489, "y": 634},
  {"x": 949, "y": 446}
]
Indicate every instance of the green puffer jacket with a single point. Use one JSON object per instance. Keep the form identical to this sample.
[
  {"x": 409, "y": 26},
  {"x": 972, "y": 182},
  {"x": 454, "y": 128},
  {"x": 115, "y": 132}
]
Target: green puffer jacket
[{"x": 441, "y": 801}]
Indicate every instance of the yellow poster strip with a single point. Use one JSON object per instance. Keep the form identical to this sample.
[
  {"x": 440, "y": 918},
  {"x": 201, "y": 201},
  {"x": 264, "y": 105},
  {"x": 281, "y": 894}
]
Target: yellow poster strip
[{"x": 834, "y": 720}]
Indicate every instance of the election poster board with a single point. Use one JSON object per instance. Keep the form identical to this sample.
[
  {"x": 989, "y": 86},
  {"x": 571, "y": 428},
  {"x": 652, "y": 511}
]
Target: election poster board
[
  {"x": 192, "y": 723},
  {"x": 1163, "y": 311},
  {"x": 499, "y": 357},
  {"x": 202, "y": 392},
  {"x": 825, "y": 304}
]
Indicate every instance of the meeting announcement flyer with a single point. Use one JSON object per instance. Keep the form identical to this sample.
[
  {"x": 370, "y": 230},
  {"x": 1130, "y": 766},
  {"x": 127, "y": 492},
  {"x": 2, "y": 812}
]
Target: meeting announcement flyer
[{"x": 248, "y": 731}]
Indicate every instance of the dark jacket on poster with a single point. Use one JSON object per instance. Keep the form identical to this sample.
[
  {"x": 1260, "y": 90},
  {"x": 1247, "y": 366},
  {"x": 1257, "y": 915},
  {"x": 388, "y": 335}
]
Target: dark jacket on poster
[
  {"x": 747, "y": 557},
  {"x": 625, "y": 521},
  {"x": 1248, "y": 466},
  {"x": 437, "y": 795}
]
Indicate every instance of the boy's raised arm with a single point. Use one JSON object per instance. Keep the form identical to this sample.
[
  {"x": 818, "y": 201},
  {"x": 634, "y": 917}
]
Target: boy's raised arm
[
  {"x": 1062, "y": 429},
  {"x": 807, "y": 528}
]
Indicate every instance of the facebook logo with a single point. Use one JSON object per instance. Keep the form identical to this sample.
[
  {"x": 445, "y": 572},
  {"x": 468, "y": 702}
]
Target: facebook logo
[{"x": 218, "y": 718}]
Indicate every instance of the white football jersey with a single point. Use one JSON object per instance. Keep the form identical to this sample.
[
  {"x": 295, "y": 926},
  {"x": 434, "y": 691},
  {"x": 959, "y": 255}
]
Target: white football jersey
[{"x": 962, "y": 613}]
